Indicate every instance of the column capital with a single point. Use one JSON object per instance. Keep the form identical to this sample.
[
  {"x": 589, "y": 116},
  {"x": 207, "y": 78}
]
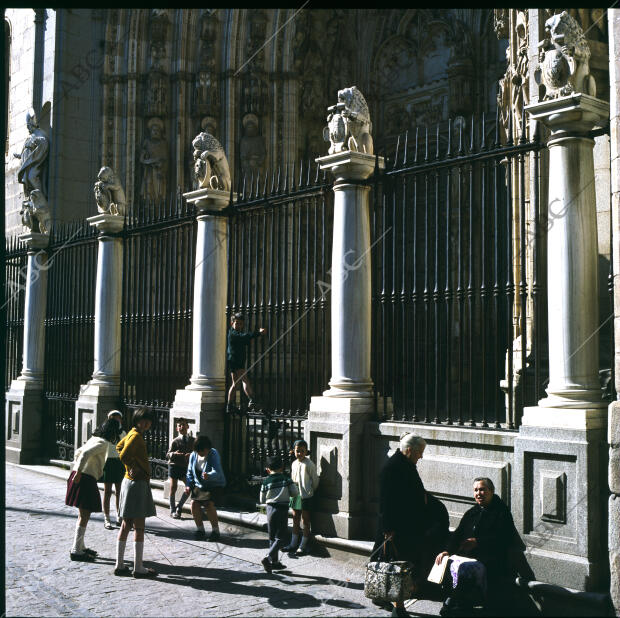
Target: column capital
[
  {"x": 106, "y": 223},
  {"x": 35, "y": 240},
  {"x": 576, "y": 113},
  {"x": 350, "y": 165},
  {"x": 209, "y": 201}
]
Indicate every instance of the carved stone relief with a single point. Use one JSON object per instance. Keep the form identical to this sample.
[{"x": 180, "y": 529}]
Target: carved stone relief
[
  {"x": 109, "y": 193},
  {"x": 154, "y": 160},
  {"x": 252, "y": 150},
  {"x": 210, "y": 163}
]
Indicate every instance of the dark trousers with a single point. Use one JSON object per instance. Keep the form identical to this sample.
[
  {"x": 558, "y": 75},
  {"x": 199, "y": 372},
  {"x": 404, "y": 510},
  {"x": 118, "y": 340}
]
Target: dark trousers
[{"x": 277, "y": 525}]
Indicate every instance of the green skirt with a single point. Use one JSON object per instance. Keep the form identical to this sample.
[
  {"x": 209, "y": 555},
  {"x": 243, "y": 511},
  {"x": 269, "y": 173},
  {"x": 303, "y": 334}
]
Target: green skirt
[
  {"x": 113, "y": 471},
  {"x": 300, "y": 504}
]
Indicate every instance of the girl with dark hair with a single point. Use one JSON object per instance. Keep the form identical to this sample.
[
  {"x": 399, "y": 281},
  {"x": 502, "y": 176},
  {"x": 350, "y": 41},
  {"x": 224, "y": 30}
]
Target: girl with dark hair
[
  {"x": 82, "y": 490},
  {"x": 113, "y": 472},
  {"x": 136, "y": 501}
]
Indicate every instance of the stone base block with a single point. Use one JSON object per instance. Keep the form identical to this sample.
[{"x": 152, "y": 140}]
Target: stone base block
[
  {"x": 205, "y": 412},
  {"x": 24, "y": 416},
  {"x": 335, "y": 432},
  {"x": 559, "y": 495},
  {"x": 92, "y": 407}
]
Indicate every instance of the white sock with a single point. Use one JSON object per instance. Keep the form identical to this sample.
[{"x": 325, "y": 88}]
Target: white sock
[
  {"x": 138, "y": 549},
  {"x": 106, "y": 518},
  {"x": 304, "y": 542},
  {"x": 120, "y": 553},
  {"x": 294, "y": 541},
  {"x": 78, "y": 539}
]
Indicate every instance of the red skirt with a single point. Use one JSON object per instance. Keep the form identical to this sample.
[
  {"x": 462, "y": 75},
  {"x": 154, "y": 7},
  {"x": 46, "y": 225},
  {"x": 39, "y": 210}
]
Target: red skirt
[{"x": 85, "y": 494}]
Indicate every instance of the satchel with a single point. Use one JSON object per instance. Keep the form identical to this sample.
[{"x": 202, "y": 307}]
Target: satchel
[{"x": 389, "y": 581}]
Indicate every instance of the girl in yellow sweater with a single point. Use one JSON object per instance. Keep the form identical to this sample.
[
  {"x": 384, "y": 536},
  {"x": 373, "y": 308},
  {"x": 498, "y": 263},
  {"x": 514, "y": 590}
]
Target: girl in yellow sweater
[{"x": 136, "y": 501}]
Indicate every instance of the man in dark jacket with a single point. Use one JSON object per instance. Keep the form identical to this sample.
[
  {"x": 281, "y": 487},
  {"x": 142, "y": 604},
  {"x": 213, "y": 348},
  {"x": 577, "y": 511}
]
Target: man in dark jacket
[{"x": 486, "y": 533}]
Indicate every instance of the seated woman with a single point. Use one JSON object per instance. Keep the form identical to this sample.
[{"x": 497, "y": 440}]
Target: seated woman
[{"x": 487, "y": 534}]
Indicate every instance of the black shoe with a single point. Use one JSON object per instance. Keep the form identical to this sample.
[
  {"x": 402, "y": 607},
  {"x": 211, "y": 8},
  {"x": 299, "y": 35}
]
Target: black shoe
[
  {"x": 303, "y": 552},
  {"x": 214, "y": 536},
  {"x": 266, "y": 564},
  {"x": 400, "y": 612},
  {"x": 81, "y": 556},
  {"x": 92, "y": 552},
  {"x": 278, "y": 566},
  {"x": 200, "y": 535}
]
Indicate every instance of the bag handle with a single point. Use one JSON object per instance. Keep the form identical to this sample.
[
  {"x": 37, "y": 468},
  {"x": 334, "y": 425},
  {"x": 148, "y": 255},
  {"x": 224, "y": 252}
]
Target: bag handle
[{"x": 383, "y": 547}]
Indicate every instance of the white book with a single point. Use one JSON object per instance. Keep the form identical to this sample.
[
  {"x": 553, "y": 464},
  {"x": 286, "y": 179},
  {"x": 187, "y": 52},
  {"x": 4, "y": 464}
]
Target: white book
[{"x": 438, "y": 571}]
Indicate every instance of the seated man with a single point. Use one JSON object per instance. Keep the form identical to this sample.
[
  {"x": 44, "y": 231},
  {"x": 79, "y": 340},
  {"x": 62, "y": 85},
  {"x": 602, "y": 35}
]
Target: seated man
[{"x": 487, "y": 534}]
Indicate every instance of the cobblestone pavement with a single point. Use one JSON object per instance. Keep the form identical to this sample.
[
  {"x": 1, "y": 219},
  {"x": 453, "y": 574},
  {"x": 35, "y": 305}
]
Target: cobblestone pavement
[{"x": 197, "y": 578}]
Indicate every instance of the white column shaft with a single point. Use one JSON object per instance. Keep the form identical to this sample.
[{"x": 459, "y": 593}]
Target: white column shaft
[
  {"x": 209, "y": 314},
  {"x": 108, "y": 311},
  {"x": 572, "y": 273},
  {"x": 351, "y": 292},
  {"x": 34, "y": 317}
]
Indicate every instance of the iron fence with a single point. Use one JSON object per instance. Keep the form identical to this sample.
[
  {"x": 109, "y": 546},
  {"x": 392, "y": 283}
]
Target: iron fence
[
  {"x": 16, "y": 257},
  {"x": 447, "y": 307}
]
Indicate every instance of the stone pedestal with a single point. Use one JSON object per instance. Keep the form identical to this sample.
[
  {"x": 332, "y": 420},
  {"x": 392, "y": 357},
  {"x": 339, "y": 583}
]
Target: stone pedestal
[
  {"x": 559, "y": 501},
  {"x": 101, "y": 393},
  {"x": 203, "y": 400},
  {"x": 336, "y": 421},
  {"x": 24, "y": 399}
]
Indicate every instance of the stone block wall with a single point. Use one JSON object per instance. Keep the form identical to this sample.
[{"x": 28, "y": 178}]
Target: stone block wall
[{"x": 22, "y": 29}]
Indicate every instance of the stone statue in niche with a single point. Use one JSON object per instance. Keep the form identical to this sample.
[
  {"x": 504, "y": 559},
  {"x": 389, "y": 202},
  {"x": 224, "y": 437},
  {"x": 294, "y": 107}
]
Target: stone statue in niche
[
  {"x": 154, "y": 159},
  {"x": 348, "y": 123},
  {"x": 109, "y": 193},
  {"x": 210, "y": 164},
  {"x": 35, "y": 212},
  {"x": 33, "y": 156},
  {"x": 564, "y": 56},
  {"x": 252, "y": 147}
]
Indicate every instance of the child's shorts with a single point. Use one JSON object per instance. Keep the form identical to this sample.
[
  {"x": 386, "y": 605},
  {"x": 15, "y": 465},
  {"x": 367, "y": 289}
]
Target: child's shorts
[
  {"x": 213, "y": 494},
  {"x": 176, "y": 472},
  {"x": 301, "y": 504}
]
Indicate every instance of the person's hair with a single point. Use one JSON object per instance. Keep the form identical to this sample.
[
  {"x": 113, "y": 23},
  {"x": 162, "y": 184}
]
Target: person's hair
[
  {"x": 300, "y": 443},
  {"x": 108, "y": 430},
  {"x": 274, "y": 462},
  {"x": 182, "y": 420},
  {"x": 139, "y": 414},
  {"x": 410, "y": 440},
  {"x": 487, "y": 481},
  {"x": 237, "y": 316},
  {"x": 202, "y": 443}
]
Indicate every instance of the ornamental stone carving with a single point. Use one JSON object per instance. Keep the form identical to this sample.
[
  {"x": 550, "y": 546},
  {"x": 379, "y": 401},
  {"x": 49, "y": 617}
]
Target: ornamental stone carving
[
  {"x": 210, "y": 163},
  {"x": 564, "y": 57},
  {"x": 35, "y": 213},
  {"x": 109, "y": 193},
  {"x": 348, "y": 123},
  {"x": 154, "y": 159}
]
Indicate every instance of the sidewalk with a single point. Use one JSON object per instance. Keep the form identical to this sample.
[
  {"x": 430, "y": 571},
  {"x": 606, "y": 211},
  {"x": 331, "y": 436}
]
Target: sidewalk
[{"x": 196, "y": 577}]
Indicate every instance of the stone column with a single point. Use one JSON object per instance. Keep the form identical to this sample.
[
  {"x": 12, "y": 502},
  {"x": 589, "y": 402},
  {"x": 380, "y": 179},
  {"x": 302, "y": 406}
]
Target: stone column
[
  {"x": 335, "y": 426},
  {"x": 101, "y": 393},
  {"x": 614, "y": 408},
  {"x": 24, "y": 399},
  {"x": 203, "y": 400},
  {"x": 559, "y": 499}
]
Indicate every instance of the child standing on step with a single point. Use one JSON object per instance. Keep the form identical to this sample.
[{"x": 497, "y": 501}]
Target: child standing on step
[
  {"x": 205, "y": 480},
  {"x": 303, "y": 473},
  {"x": 178, "y": 456},
  {"x": 82, "y": 490},
  {"x": 276, "y": 490},
  {"x": 238, "y": 342},
  {"x": 113, "y": 473}
]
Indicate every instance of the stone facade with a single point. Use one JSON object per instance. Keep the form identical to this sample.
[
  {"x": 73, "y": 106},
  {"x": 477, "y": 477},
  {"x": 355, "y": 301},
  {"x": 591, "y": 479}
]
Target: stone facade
[{"x": 258, "y": 82}]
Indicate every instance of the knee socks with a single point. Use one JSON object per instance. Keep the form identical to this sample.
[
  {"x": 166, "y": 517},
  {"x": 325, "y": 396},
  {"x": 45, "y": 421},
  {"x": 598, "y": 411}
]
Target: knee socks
[
  {"x": 138, "y": 548},
  {"x": 120, "y": 553},
  {"x": 182, "y": 501},
  {"x": 78, "y": 539}
]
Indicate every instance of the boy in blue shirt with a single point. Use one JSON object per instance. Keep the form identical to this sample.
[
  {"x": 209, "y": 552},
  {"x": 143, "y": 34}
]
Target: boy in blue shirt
[{"x": 205, "y": 479}]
